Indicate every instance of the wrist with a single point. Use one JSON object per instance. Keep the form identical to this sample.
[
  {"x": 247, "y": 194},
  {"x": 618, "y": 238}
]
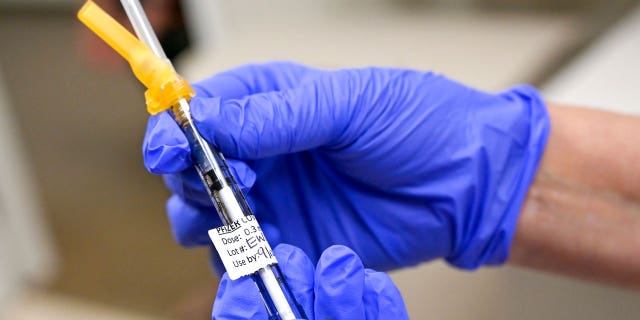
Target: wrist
[{"x": 582, "y": 217}]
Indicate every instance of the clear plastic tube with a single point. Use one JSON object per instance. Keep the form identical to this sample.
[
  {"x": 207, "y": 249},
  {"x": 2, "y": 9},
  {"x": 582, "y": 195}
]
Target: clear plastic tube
[{"x": 142, "y": 27}]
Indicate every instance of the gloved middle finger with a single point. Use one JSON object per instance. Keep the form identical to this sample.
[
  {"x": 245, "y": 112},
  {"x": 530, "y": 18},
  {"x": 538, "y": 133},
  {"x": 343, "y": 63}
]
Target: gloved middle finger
[{"x": 165, "y": 148}]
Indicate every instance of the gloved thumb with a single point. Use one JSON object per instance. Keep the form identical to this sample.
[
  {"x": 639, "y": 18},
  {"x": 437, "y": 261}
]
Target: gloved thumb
[
  {"x": 268, "y": 124},
  {"x": 339, "y": 285}
]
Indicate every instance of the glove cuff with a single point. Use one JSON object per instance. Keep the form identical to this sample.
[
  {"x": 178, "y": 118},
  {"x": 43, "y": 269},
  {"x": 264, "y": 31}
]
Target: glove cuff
[{"x": 511, "y": 154}]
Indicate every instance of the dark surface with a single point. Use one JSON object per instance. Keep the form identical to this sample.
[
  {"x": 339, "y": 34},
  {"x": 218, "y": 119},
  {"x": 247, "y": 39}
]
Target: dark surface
[{"x": 83, "y": 130}]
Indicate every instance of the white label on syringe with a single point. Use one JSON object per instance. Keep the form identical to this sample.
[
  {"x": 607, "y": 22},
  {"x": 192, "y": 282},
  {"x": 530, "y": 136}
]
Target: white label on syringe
[{"x": 242, "y": 247}]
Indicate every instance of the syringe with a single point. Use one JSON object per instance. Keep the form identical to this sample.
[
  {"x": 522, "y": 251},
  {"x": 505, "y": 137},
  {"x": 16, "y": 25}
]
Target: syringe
[{"x": 167, "y": 90}]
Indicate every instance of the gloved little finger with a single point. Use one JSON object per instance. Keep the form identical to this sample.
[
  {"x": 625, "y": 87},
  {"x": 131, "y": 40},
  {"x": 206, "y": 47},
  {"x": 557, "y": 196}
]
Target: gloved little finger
[
  {"x": 215, "y": 262},
  {"x": 190, "y": 224},
  {"x": 382, "y": 299},
  {"x": 165, "y": 149},
  {"x": 189, "y": 187}
]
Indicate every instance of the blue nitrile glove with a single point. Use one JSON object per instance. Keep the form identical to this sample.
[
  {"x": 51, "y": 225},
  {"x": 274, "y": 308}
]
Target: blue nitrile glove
[
  {"x": 402, "y": 166},
  {"x": 339, "y": 287}
]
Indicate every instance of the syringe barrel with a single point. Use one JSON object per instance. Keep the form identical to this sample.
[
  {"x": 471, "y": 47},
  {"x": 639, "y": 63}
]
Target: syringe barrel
[
  {"x": 213, "y": 170},
  {"x": 231, "y": 206},
  {"x": 158, "y": 76}
]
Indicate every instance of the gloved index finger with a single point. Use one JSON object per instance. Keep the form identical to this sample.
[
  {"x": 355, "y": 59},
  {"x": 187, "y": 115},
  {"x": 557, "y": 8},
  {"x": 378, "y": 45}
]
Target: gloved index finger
[
  {"x": 267, "y": 124},
  {"x": 250, "y": 79},
  {"x": 165, "y": 148}
]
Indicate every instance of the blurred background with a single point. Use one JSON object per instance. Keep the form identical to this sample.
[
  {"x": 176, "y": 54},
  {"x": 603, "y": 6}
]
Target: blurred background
[{"x": 83, "y": 232}]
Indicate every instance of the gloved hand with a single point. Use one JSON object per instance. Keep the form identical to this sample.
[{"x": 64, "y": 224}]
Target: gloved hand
[
  {"x": 339, "y": 287},
  {"x": 402, "y": 166}
]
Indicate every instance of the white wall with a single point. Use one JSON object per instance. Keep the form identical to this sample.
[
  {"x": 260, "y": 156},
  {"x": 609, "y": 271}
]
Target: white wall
[{"x": 26, "y": 255}]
